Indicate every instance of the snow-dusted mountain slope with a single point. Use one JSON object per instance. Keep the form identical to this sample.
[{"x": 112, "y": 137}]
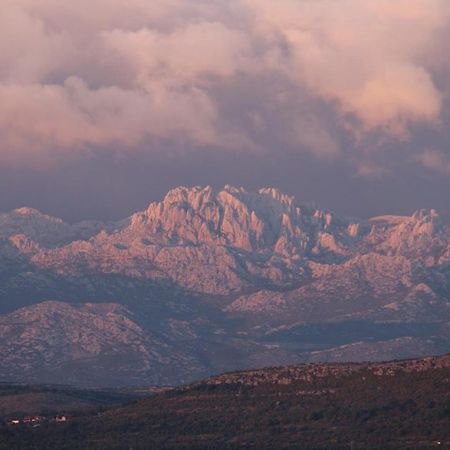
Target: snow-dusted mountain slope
[
  {"x": 240, "y": 266},
  {"x": 47, "y": 231}
]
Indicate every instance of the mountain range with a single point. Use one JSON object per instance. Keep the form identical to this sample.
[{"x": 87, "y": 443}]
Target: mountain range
[{"x": 208, "y": 281}]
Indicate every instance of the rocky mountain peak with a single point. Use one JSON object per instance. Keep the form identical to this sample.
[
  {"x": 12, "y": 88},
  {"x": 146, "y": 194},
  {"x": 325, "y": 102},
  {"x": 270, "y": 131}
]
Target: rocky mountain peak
[
  {"x": 197, "y": 196},
  {"x": 27, "y": 211},
  {"x": 276, "y": 194},
  {"x": 46, "y": 230},
  {"x": 231, "y": 234},
  {"x": 24, "y": 243},
  {"x": 230, "y": 216},
  {"x": 425, "y": 214}
]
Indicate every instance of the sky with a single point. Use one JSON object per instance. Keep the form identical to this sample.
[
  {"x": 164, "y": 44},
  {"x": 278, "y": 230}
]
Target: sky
[{"x": 107, "y": 104}]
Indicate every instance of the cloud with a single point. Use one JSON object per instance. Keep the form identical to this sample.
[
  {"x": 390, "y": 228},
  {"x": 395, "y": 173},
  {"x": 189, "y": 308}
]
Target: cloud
[
  {"x": 312, "y": 135},
  {"x": 28, "y": 51},
  {"x": 370, "y": 170},
  {"x": 367, "y": 55},
  {"x": 435, "y": 160},
  {"x": 36, "y": 119},
  {"x": 76, "y": 76},
  {"x": 157, "y": 90},
  {"x": 182, "y": 56}
]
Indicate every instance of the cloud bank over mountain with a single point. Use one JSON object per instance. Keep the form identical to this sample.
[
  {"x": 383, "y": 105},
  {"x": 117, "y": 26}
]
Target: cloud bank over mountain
[{"x": 335, "y": 79}]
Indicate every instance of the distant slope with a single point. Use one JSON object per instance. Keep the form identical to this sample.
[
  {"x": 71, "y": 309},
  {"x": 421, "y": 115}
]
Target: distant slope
[
  {"x": 25, "y": 400},
  {"x": 89, "y": 345},
  {"x": 398, "y": 405}
]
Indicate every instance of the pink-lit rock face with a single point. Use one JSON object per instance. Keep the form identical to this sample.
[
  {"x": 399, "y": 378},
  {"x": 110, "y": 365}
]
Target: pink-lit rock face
[
  {"x": 215, "y": 242},
  {"x": 211, "y": 242},
  {"x": 255, "y": 274},
  {"x": 220, "y": 242}
]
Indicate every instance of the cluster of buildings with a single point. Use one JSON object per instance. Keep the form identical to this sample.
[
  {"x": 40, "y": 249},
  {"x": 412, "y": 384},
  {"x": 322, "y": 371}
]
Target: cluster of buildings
[{"x": 37, "y": 420}]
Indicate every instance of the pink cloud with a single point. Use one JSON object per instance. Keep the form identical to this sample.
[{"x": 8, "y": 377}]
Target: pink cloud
[
  {"x": 435, "y": 160},
  {"x": 35, "y": 119},
  {"x": 369, "y": 56},
  {"x": 116, "y": 73}
]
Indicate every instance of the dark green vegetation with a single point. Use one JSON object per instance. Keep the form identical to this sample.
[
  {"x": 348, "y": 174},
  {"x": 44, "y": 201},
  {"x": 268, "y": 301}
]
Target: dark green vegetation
[
  {"x": 392, "y": 405},
  {"x": 21, "y": 400}
]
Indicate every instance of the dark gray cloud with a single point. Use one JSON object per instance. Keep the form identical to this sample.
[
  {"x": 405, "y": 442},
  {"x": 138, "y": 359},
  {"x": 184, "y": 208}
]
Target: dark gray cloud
[{"x": 106, "y": 104}]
